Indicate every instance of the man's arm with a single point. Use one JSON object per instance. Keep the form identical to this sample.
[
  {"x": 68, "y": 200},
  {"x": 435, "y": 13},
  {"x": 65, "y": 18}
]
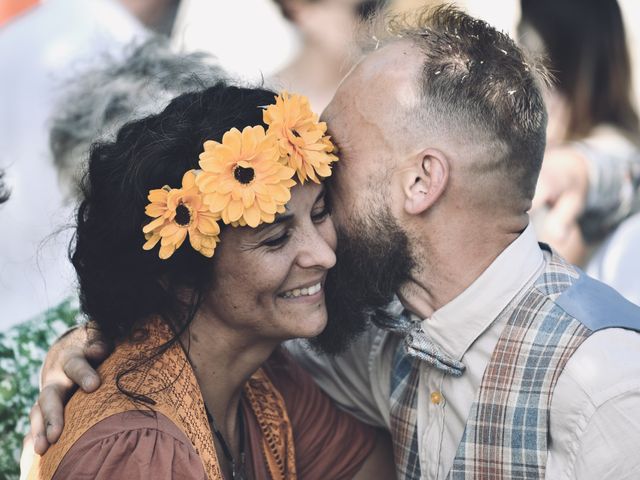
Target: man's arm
[
  {"x": 597, "y": 177},
  {"x": 595, "y": 410},
  {"x": 346, "y": 378},
  {"x": 355, "y": 379},
  {"x": 608, "y": 447},
  {"x": 68, "y": 365}
]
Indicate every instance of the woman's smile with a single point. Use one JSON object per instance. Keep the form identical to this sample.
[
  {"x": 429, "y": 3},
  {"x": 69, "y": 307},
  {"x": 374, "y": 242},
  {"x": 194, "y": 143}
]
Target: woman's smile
[{"x": 310, "y": 292}]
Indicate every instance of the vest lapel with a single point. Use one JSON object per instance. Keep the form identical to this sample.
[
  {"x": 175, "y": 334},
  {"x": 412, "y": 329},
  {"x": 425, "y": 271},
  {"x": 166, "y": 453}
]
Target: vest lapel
[
  {"x": 507, "y": 430},
  {"x": 404, "y": 413}
]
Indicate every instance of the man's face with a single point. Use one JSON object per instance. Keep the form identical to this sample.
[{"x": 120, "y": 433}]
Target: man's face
[
  {"x": 365, "y": 120},
  {"x": 373, "y": 254}
]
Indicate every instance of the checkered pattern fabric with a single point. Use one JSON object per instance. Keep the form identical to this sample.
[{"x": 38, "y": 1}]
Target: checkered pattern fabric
[
  {"x": 404, "y": 413},
  {"x": 506, "y": 433}
]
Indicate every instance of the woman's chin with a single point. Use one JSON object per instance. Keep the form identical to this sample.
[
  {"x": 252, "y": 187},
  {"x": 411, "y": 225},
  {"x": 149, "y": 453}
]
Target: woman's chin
[{"x": 310, "y": 326}]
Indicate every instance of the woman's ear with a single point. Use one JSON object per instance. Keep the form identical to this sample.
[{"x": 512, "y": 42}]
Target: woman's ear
[{"x": 426, "y": 181}]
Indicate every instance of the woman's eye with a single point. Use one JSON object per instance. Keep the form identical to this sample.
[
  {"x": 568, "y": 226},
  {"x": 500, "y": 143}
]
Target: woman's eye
[
  {"x": 276, "y": 241},
  {"x": 320, "y": 215}
]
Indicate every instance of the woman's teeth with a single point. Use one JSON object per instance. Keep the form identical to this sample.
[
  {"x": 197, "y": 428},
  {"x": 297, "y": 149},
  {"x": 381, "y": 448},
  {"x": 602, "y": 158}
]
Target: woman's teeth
[{"x": 303, "y": 292}]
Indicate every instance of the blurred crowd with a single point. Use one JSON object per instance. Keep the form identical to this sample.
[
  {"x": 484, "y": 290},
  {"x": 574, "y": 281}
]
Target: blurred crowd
[{"x": 73, "y": 71}]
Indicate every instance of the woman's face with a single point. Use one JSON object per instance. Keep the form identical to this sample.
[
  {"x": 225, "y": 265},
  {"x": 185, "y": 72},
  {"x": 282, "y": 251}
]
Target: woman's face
[{"x": 269, "y": 280}]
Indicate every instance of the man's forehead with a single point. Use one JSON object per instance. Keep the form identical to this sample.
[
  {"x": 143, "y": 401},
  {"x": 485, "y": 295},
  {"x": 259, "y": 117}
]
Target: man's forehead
[
  {"x": 395, "y": 53},
  {"x": 384, "y": 79}
]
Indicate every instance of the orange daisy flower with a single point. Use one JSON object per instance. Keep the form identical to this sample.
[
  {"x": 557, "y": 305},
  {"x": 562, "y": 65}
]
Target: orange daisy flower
[
  {"x": 178, "y": 213},
  {"x": 301, "y": 138},
  {"x": 243, "y": 179}
]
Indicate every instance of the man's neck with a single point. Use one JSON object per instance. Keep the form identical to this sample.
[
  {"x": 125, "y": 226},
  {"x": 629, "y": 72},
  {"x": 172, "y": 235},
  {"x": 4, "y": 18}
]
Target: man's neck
[{"x": 448, "y": 268}]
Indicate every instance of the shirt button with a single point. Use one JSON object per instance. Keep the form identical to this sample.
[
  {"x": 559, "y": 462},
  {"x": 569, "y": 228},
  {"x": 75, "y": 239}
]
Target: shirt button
[{"x": 436, "y": 398}]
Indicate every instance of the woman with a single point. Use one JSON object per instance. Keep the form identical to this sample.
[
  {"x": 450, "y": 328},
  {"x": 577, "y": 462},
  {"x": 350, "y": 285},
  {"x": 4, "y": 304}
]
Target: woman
[
  {"x": 328, "y": 48},
  {"x": 198, "y": 262}
]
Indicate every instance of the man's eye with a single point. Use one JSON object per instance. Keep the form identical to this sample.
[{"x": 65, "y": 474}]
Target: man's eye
[{"x": 276, "y": 241}]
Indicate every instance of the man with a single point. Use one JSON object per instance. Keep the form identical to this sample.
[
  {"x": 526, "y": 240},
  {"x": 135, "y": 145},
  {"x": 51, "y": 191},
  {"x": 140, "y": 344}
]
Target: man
[{"x": 499, "y": 360}]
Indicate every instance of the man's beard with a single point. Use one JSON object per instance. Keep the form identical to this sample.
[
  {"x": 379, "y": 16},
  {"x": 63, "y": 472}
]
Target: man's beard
[{"x": 371, "y": 265}]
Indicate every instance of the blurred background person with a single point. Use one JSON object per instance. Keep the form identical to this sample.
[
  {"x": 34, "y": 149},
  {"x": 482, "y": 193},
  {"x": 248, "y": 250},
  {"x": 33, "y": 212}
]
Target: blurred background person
[
  {"x": 157, "y": 15},
  {"x": 328, "y": 48},
  {"x": 617, "y": 262},
  {"x": 306, "y": 46},
  {"x": 93, "y": 107},
  {"x": 591, "y": 171},
  {"x": 96, "y": 105},
  {"x": 42, "y": 46},
  {"x": 58, "y": 39},
  {"x": 45, "y": 45}
]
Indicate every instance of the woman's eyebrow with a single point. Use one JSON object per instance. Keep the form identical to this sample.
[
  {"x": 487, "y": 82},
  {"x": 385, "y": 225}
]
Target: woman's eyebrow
[{"x": 280, "y": 218}]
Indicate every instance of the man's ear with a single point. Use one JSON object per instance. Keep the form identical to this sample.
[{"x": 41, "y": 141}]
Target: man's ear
[{"x": 426, "y": 181}]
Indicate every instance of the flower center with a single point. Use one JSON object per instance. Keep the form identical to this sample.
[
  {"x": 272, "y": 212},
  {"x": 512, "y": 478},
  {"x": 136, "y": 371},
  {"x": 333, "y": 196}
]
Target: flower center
[
  {"x": 183, "y": 215},
  {"x": 244, "y": 175}
]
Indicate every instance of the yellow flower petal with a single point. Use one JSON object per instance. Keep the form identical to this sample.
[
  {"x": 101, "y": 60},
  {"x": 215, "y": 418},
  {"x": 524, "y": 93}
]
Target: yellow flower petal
[
  {"x": 252, "y": 215},
  {"x": 166, "y": 251},
  {"x": 208, "y": 225},
  {"x": 280, "y": 194},
  {"x": 217, "y": 201},
  {"x": 169, "y": 230},
  {"x": 233, "y": 140},
  {"x": 267, "y": 205},
  {"x": 151, "y": 242},
  {"x": 158, "y": 222},
  {"x": 159, "y": 195},
  {"x": 235, "y": 210},
  {"x": 248, "y": 197},
  {"x": 267, "y": 217},
  {"x": 299, "y": 132},
  {"x": 189, "y": 179},
  {"x": 250, "y": 139}
]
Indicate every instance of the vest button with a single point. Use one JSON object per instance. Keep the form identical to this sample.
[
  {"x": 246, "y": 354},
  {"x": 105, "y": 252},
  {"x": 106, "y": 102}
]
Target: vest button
[{"x": 436, "y": 398}]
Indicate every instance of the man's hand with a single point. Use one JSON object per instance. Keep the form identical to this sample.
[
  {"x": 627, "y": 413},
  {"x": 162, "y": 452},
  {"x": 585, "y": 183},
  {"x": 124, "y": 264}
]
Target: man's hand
[
  {"x": 66, "y": 366},
  {"x": 562, "y": 188}
]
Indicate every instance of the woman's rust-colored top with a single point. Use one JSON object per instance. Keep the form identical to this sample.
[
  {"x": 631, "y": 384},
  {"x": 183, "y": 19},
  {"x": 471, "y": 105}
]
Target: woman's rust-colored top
[{"x": 292, "y": 429}]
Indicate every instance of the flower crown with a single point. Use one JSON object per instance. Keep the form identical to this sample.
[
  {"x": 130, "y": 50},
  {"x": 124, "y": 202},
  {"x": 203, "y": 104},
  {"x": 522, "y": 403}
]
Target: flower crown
[{"x": 245, "y": 180}]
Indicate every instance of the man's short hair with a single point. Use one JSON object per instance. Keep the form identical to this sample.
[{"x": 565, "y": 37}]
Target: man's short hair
[{"x": 476, "y": 81}]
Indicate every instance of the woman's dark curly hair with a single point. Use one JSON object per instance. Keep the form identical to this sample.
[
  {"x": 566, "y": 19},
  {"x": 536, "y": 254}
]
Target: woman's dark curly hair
[{"x": 120, "y": 283}]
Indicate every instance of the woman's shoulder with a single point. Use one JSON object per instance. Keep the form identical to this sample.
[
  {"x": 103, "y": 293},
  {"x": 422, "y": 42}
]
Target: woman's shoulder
[
  {"x": 134, "y": 444},
  {"x": 329, "y": 442},
  {"x": 289, "y": 378}
]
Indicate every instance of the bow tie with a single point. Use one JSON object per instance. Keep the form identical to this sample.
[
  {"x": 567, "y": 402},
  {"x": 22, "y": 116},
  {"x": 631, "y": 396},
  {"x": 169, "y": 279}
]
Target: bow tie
[{"x": 417, "y": 343}]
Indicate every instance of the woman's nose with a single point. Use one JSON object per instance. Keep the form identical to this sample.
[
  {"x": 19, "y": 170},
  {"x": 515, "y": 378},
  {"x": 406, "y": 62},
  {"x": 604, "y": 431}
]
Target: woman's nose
[{"x": 319, "y": 248}]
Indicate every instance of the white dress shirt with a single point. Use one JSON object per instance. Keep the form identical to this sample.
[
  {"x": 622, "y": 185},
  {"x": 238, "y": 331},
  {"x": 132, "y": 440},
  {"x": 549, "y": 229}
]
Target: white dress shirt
[{"x": 595, "y": 411}]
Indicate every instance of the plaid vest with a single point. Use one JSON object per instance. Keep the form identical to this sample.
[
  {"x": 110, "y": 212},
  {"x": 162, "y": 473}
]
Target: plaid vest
[{"x": 506, "y": 433}]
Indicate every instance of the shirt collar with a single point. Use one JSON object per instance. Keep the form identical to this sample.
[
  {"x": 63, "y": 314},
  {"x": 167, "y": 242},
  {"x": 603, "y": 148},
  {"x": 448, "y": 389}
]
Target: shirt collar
[{"x": 456, "y": 325}]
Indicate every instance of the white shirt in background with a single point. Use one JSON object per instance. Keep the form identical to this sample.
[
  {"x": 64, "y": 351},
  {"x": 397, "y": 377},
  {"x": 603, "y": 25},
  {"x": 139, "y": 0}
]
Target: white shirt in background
[{"x": 40, "y": 52}]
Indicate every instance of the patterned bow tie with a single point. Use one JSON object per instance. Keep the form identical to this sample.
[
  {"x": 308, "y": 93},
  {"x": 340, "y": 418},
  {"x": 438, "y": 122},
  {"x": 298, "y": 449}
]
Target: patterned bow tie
[{"x": 417, "y": 343}]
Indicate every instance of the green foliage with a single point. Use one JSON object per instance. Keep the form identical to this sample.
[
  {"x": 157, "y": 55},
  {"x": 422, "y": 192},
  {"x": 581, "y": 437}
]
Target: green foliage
[{"x": 22, "y": 351}]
